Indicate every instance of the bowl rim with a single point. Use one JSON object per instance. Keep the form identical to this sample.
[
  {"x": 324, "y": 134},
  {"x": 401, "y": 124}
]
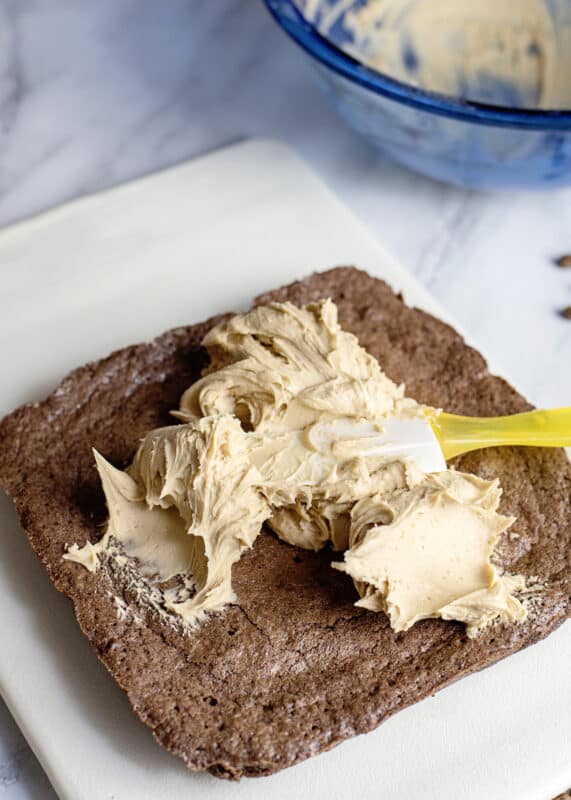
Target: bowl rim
[{"x": 292, "y": 21}]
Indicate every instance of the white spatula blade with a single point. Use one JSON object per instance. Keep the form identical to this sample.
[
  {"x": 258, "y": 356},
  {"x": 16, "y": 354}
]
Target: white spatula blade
[
  {"x": 394, "y": 437},
  {"x": 414, "y": 439}
]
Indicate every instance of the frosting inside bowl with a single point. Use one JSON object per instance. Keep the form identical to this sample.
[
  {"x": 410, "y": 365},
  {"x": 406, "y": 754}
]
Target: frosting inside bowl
[{"x": 514, "y": 53}]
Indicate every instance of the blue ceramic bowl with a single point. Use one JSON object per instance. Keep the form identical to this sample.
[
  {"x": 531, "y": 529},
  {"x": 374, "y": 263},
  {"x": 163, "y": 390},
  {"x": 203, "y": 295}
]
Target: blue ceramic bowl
[{"x": 454, "y": 140}]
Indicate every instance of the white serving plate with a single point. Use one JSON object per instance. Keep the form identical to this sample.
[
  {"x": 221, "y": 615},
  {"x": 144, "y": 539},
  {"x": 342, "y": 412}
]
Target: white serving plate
[{"x": 121, "y": 267}]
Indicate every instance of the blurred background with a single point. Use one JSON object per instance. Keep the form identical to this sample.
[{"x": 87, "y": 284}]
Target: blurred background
[{"x": 96, "y": 93}]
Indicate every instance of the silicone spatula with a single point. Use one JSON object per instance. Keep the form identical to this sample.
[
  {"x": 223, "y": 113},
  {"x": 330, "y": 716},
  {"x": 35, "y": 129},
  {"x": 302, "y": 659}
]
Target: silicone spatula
[{"x": 432, "y": 440}]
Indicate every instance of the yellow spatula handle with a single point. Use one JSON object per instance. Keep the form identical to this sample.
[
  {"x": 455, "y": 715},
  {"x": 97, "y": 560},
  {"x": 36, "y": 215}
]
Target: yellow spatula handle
[{"x": 459, "y": 435}]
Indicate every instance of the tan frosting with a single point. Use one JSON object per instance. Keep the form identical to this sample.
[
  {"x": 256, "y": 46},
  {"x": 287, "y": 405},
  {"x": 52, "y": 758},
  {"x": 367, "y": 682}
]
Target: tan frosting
[
  {"x": 188, "y": 506},
  {"x": 427, "y": 552},
  {"x": 490, "y": 50},
  {"x": 281, "y": 367},
  {"x": 287, "y": 373},
  {"x": 276, "y": 431}
]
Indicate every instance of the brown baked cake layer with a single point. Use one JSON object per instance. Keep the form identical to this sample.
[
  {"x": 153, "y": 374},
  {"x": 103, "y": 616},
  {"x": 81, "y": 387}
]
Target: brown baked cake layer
[{"x": 294, "y": 668}]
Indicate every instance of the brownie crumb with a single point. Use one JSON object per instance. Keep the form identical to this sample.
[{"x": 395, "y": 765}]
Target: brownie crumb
[
  {"x": 564, "y": 261},
  {"x": 566, "y": 312}
]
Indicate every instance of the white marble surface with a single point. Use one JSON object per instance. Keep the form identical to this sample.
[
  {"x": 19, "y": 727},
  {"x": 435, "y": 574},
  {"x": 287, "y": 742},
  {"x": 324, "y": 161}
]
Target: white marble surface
[{"x": 92, "y": 94}]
